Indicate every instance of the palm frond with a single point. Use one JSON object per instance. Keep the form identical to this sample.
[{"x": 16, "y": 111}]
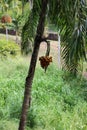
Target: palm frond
[
  {"x": 29, "y": 29},
  {"x": 71, "y": 19},
  {"x": 74, "y": 37}
]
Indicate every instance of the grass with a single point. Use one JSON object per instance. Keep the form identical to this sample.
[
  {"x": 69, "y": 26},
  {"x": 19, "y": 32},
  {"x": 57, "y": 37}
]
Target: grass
[
  {"x": 8, "y": 125},
  {"x": 59, "y": 102}
]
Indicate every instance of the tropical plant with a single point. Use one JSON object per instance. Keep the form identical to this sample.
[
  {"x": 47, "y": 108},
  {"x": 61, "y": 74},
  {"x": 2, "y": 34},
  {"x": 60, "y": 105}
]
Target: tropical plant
[
  {"x": 71, "y": 18},
  {"x": 74, "y": 37},
  {"x": 29, "y": 78}
]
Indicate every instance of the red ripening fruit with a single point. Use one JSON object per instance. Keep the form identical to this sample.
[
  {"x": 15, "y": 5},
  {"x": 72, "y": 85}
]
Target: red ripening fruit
[{"x": 6, "y": 19}]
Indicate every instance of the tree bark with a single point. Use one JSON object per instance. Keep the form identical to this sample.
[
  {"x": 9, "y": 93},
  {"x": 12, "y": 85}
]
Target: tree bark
[{"x": 29, "y": 78}]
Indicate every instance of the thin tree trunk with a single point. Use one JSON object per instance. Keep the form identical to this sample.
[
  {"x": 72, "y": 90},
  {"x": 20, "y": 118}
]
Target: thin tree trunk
[
  {"x": 48, "y": 48},
  {"x": 47, "y": 52},
  {"x": 29, "y": 79}
]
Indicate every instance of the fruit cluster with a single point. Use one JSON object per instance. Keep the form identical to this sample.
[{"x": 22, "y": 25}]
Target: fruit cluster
[
  {"x": 6, "y": 19},
  {"x": 45, "y": 61}
]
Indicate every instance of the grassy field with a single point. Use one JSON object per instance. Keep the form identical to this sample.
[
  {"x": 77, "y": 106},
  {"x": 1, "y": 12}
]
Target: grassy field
[{"x": 59, "y": 101}]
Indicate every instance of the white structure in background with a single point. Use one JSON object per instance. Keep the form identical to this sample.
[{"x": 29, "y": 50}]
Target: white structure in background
[
  {"x": 59, "y": 53},
  {"x": 31, "y": 4},
  {"x": 7, "y": 34}
]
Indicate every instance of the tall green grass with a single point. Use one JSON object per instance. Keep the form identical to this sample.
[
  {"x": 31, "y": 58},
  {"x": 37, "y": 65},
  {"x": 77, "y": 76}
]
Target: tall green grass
[{"x": 58, "y": 103}]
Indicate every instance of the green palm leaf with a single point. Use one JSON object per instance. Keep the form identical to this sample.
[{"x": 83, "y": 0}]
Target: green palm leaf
[
  {"x": 71, "y": 18},
  {"x": 29, "y": 29}
]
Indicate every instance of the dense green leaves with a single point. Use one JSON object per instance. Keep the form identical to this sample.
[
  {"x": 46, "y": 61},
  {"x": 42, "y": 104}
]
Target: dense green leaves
[{"x": 8, "y": 47}]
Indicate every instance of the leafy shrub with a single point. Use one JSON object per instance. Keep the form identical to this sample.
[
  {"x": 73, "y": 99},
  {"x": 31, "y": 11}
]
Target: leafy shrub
[{"x": 8, "y": 47}]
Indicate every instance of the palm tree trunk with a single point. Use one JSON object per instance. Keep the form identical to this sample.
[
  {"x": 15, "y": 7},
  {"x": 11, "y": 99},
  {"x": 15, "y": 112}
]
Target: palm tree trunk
[{"x": 29, "y": 79}]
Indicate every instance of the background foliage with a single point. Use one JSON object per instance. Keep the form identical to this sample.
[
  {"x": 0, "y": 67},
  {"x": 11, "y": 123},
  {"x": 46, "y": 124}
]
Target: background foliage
[{"x": 8, "y": 47}]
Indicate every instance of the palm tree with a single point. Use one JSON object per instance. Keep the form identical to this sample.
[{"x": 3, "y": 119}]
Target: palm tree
[
  {"x": 29, "y": 79},
  {"x": 71, "y": 18}
]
